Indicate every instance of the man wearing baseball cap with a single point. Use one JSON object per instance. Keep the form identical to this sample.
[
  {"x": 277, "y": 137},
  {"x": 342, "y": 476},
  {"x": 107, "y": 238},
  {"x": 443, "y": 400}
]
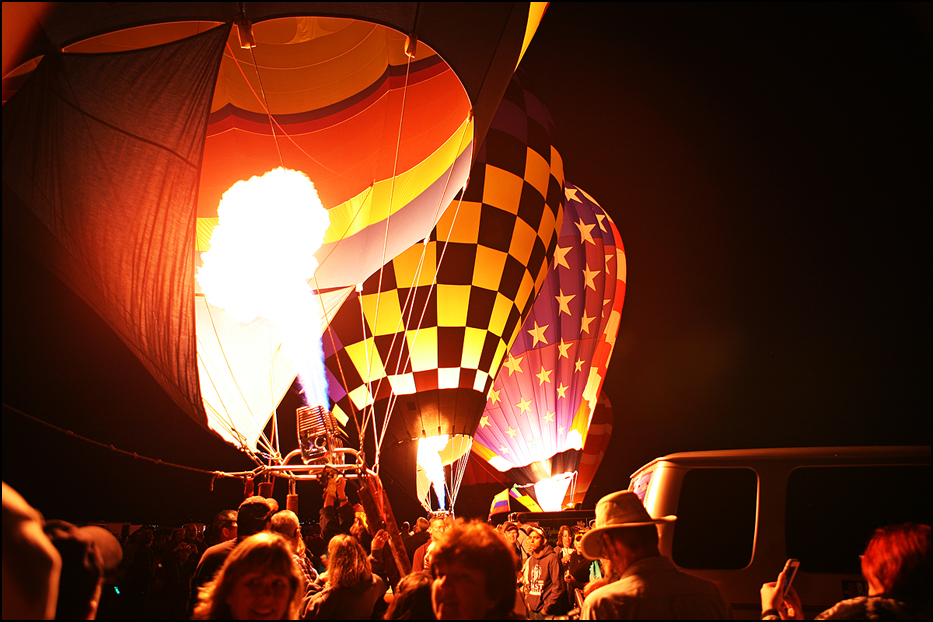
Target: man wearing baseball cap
[{"x": 647, "y": 585}]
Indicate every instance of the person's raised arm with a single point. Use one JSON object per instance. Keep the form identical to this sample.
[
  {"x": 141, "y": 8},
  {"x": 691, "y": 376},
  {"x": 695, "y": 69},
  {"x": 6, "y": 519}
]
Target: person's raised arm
[{"x": 775, "y": 604}]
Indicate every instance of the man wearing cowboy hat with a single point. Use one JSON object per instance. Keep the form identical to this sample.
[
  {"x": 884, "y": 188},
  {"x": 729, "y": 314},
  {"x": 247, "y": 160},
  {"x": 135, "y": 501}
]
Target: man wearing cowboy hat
[{"x": 645, "y": 584}]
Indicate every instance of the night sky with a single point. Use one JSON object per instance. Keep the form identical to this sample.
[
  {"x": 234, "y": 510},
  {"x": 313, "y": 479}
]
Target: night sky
[{"x": 768, "y": 167}]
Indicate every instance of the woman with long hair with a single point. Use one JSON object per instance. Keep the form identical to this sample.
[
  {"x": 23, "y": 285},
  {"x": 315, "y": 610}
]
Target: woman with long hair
[
  {"x": 259, "y": 580},
  {"x": 351, "y": 589}
]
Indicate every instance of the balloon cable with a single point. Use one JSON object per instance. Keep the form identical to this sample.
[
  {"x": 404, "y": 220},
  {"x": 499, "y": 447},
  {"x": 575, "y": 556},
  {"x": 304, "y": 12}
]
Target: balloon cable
[
  {"x": 410, "y": 307},
  {"x": 132, "y": 454},
  {"x": 385, "y": 244},
  {"x": 333, "y": 344},
  {"x": 265, "y": 104}
]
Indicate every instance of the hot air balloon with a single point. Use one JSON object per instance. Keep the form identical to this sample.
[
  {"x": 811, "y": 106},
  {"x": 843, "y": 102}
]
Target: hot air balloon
[
  {"x": 594, "y": 448},
  {"x": 415, "y": 351},
  {"x": 117, "y": 150},
  {"x": 540, "y": 407}
]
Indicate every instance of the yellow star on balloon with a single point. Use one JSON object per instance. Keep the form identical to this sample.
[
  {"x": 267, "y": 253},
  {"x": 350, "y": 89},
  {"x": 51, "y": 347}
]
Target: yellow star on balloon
[
  {"x": 514, "y": 364},
  {"x": 560, "y": 256},
  {"x": 561, "y": 391},
  {"x": 511, "y": 432},
  {"x": 563, "y": 347},
  {"x": 599, "y": 219},
  {"x": 548, "y": 417},
  {"x": 494, "y": 396},
  {"x": 524, "y": 406},
  {"x": 578, "y": 366},
  {"x": 504, "y": 450},
  {"x": 562, "y": 301},
  {"x": 590, "y": 275},
  {"x": 585, "y": 229},
  {"x": 484, "y": 421},
  {"x": 571, "y": 194},
  {"x": 584, "y": 325},
  {"x": 544, "y": 376},
  {"x": 538, "y": 333}
]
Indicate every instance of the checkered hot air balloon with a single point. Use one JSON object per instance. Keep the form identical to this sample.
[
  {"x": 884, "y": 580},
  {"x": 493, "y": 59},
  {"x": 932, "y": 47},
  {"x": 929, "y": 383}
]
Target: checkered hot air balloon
[
  {"x": 415, "y": 351},
  {"x": 539, "y": 410}
]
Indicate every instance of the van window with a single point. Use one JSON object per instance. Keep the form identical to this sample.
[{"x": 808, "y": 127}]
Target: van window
[
  {"x": 716, "y": 513},
  {"x": 831, "y": 512}
]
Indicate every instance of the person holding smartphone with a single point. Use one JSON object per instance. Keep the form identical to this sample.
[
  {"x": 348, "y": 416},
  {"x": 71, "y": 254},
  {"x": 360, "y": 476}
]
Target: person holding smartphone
[{"x": 896, "y": 565}]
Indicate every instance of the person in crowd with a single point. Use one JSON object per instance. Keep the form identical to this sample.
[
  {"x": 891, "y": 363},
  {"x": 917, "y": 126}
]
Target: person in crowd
[
  {"x": 896, "y": 565},
  {"x": 510, "y": 531},
  {"x": 258, "y": 580},
  {"x": 523, "y": 531},
  {"x": 286, "y": 524},
  {"x": 577, "y": 570},
  {"x": 31, "y": 563},
  {"x": 645, "y": 584},
  {"x": 87, "y": 553},
  {"x": 337, "y": 515},
  {"x": 360, "y": 528},
  {"x": 194, "y": 538},
  {"x": 474, "y": 574},
  {"x": 418, "y": 537},
  {"x": 564, "y": 549},
  {"x": 544, "y": 587},
  {"x": 351, "y": 587},
  {"x": 174, "y": 575},
  {"x": 253, "y": 516},
  {"x": 221, "y": 529},
  {"x": 421, "y": 561},
  {"x": 314, "y": 545},
  {"x": 411, "y": 598},
  {"x": 404, "y": 532},
  {"x": 140, "y": 573}
]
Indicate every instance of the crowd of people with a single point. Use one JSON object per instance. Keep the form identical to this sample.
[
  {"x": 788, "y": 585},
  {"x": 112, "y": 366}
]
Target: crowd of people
[{"x": 260, "y": 562}]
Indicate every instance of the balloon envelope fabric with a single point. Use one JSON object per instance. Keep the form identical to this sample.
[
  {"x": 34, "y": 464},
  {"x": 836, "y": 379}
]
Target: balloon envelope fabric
[
  {"x": 538, "y": 412},
  {"x": 426, "y": 348},
  {"x": 166, "y": 133}
]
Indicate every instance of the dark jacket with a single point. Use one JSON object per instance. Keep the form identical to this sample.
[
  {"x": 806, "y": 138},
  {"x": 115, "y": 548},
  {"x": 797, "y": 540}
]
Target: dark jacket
[
  {"x": 344, "y": 603},
  {"x": 335, "y": 520},
  {"x": 545, "y": 586}
]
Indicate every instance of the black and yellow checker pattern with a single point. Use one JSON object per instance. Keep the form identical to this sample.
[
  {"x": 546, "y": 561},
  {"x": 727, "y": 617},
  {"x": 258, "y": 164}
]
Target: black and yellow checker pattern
[{"x": 450, "y": 308}]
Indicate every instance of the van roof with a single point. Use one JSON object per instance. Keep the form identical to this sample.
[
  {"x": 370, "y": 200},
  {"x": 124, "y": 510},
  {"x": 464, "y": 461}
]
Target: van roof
[{"x": 914, "y": 454}]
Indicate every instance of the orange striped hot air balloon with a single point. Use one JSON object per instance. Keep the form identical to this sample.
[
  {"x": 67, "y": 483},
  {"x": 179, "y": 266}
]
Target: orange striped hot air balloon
[{"x": 125, "y": 123}]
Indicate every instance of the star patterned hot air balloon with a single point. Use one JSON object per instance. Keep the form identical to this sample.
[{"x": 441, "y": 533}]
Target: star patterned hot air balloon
[{"x": 539, "y": 409}]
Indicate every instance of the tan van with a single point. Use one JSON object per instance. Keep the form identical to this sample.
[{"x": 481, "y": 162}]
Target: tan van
[{"x": 743, "y": 513}]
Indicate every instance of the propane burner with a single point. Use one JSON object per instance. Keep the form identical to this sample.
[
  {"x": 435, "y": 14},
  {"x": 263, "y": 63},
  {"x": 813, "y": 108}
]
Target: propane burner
[{"x": 318, "y": 435}]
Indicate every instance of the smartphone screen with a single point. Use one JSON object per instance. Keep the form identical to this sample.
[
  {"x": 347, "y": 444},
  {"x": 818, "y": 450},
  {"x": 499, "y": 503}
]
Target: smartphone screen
[{"x": 790, "y": 571}]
